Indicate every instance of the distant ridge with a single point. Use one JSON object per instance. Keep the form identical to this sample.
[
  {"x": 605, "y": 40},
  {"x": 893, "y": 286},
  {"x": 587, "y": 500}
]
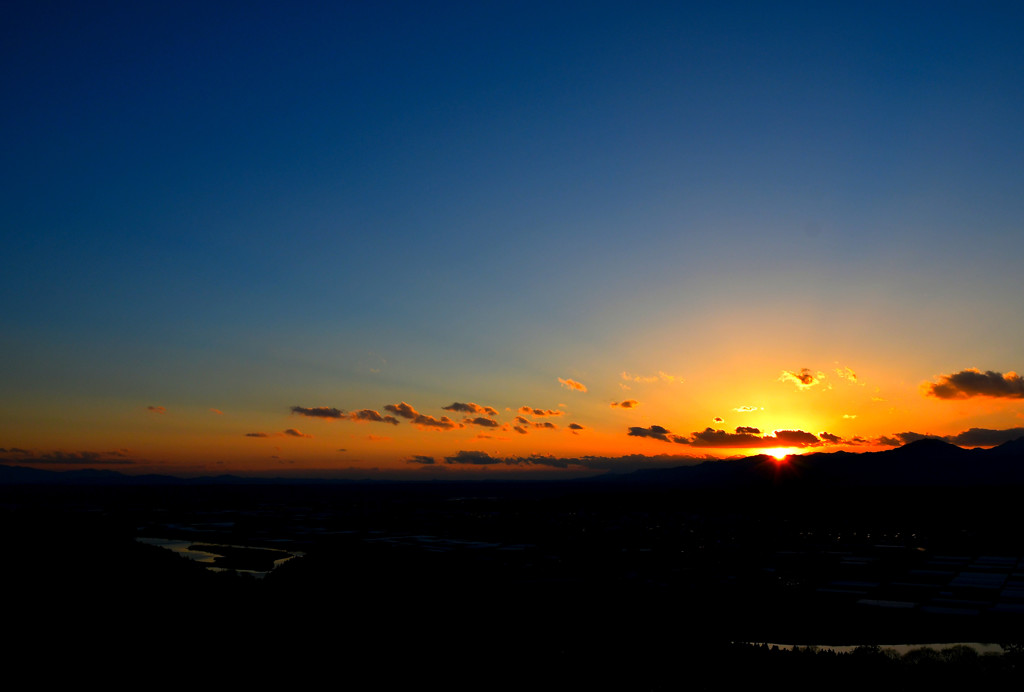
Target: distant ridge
[{"x": 926, "y": 462}]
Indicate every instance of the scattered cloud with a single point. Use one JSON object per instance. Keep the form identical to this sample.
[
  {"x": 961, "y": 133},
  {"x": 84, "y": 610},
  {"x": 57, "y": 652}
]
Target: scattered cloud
[
  {"x": 404, "y": 410},
  {"x": 292, "y": 432},
  {"x": 744, "y": 438},
  {"x": 850, "y": 416},
  {"x": 217, "y": 411},
  {"x": 366, "y": 415},
  {"x": 657, "y": 432},
  {"x": 420, "y": 459},
  {"x": 973, "y": 382},
  {"x": 481, "y": 421},
  {"x": 546, "y": 425},
  {"x": 539, "y": 412},
  {"x": 74, "y": 458},
  {"x": 719, "y": 419},
  {"x": 573, "y": 384},
  {"x": 628, "y": 403},
  {"x": 830, "y": 438},
  {"x": 471, "y": 408},
  {"x": 746, "y": 409},
  {"x": 319, "y": 412},
  {"x": 257, "y": 434},
  {"x": 847, "y": 374},
  {"x": 805, "y": 379},
  {"x": 662, "y": 376},
  {"x": 575, "y": 427},
  {"x": 156, "y": 409},
  {"x": 371, "y": 416},
  {"x": 474, "y": 458}
]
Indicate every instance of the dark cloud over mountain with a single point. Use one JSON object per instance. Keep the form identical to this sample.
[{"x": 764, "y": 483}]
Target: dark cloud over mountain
[{"x": 972, "y": 382}]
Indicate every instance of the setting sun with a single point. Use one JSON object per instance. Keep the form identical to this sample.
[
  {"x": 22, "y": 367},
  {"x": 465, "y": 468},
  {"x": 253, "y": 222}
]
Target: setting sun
[{"x": 779, "y": 453}]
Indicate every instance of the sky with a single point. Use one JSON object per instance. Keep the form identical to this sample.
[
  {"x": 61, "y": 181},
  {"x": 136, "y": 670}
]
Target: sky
[{"x": 428, "y": 240}]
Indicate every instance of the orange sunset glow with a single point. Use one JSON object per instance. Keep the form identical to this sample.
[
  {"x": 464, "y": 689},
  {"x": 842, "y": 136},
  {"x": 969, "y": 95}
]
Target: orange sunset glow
[{"x": 477, "y": 259}]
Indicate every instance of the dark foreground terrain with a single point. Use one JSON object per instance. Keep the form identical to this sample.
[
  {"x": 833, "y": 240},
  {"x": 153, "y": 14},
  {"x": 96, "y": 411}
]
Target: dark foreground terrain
[{"x": 505, "y": 585}]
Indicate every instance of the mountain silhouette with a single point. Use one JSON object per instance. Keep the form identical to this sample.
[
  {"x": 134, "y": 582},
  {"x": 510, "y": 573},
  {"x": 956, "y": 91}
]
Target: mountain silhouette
[{"x": 925, "y": 462}]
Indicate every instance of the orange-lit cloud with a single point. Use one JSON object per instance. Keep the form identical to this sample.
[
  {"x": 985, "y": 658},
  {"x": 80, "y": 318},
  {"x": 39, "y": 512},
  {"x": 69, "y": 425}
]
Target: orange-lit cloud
[
  {"x": 292, "y": 432},
  {"x": 156, "y": 409},
  {"x": 973, "y": 382},
  {"x": 217, "y": 411},
  {"x": 420, "y": 459},
  {"x": 743, "y": 437},
  {"x": 805, "y": 379},
  {"x": 639, "y": 378},
  {"x": 404, "y": 410},
  {"x": 648, "y": 379},
  {"x": 368, "y": 415},
  {"x": 782, "y": 438},
  {"x": 319, "y": 412},
  {"x": 257, "y": 434},
  {"x": 847, "y": 374},
  {"x": 471, "y": 408},
  {"x": 573, "y": 384},
  {"x": 575, "y": 427},
  {"x": 628, "y": 403},
  {"x": 745, "y": 409},
  {"x": 481, "y": 421},
  {"x": 540, "y": 412}
]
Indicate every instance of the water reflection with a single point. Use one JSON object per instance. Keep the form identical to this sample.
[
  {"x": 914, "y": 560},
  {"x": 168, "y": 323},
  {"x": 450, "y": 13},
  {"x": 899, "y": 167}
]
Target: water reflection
[{"x": 210, "y": 554}]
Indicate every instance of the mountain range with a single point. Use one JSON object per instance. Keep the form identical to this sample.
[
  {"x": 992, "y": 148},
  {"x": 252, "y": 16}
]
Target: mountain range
[{"x": 927, "y": 462}]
